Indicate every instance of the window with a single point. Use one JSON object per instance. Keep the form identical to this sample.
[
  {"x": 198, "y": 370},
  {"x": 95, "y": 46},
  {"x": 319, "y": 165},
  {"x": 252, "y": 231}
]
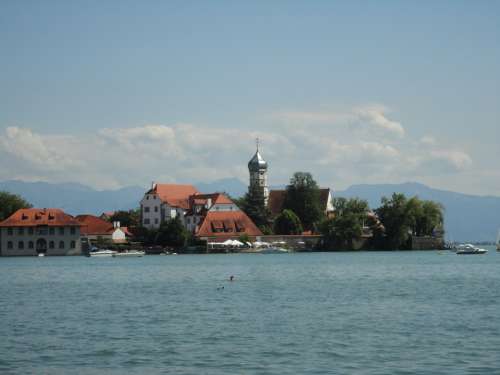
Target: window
[
  {"x": 156, "y": 221},
  {"x": 61, "y": 231},
  {"x": 52, "y": 231},
  {"x": 146, "y": 221},
  {"x": 72, "y": 230},
  {"x": 20, "y": 245},
  {"x": 72, "y": 244},
  {"x": 10, "y": 245},
  {"x": 146, "y": 209},
  {"x": 31, "y": 245},
  {"x": 156, "y": 208},
  {"x": 147, "y": 197},
  {"x": 154, "y": 196},
  {"x": 61, "y": 244},
  {"x": 31, "y": 230},
  {"x": 20, "y": 231},
  {"x": 10, "y": 231},
  {"x": 51, "y": 245}
]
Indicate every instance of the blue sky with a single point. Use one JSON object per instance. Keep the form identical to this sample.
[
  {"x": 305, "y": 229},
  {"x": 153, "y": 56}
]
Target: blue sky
[{"x": 116, "y": 93}]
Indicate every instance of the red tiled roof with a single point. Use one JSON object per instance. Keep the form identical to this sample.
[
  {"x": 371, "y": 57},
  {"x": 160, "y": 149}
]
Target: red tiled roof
[
  {"x": 175, "y": 195},
  {"x": 277, "y": 199},
  {"x": 217, "y": 198},
  {"x": 27, "y": 217},
  {"x": 93, "y": 225},
  {"x": 227, "y": 223}
]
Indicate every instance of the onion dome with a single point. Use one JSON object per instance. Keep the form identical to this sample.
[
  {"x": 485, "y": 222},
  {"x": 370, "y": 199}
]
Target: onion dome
[{"x": 257, "y": 163}]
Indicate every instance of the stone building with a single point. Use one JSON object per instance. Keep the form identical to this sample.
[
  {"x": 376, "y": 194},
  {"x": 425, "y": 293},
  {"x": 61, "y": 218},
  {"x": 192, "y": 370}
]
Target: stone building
[
  {"x": 257, "y": 167},
  {"x": 32, "y": 231}
]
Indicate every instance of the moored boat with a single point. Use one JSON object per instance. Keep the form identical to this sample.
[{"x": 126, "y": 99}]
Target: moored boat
[
  {"x": 272, "y": 250},
  {"x": 102, "y": 253},
  {"x": 465, "y": 249},
  {"x": 129, "y": 253},
  {"x": 498, "y": 240}
]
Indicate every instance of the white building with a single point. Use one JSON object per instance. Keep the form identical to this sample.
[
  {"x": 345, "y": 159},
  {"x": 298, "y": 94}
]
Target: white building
[{"x": 164, "y": 202}]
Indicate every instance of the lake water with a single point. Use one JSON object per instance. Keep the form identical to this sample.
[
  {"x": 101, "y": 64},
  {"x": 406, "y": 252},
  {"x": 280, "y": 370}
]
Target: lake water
[{"x": 318, "y": 313}]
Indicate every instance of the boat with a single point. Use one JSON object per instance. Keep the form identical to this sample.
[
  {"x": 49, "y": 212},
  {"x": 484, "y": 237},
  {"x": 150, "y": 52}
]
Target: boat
[
  {"x": 469, "y": 249},
  {"x": 102, "y": 253},
  {"x": 41, "y": 254},
  {"x": 498, "y": 240},
  {"x": 129, "y": 253},
  {"x": 272, "y": 250}
]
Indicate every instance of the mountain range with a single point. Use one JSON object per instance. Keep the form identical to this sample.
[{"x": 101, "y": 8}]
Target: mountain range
[{"x": 467, "y": 217}]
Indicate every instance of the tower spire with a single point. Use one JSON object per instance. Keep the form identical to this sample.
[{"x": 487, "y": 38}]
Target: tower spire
[{"x": 257, "y": 143}]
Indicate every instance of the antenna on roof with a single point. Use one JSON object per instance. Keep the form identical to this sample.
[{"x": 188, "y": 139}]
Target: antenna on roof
[{"x": 257, "y": 143}]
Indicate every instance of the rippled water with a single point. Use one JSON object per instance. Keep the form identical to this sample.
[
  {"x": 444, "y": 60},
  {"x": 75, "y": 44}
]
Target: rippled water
[{"x": 346, "y": 313}]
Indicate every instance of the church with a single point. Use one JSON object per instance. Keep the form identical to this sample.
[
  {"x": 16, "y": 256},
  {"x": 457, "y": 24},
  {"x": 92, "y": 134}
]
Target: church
[{"x": 274, "y": 199}]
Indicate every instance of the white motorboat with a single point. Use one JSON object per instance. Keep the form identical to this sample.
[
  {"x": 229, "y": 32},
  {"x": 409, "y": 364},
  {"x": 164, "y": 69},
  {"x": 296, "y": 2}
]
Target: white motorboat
[
  {"x": 130, "y": 253},
  {"x": 41, "y": 254},
  {"x": 468, "y": 248},
  {"x": 272, "y": 250},
  {"x": 102, "y": 253}
]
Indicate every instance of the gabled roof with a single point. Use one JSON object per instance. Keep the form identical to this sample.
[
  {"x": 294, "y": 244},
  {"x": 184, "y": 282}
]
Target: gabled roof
[
  {"x": 174, "y": 195},
  {"x": 28, "y": 217},
  {"x": 224, "y": 223},
  {"x": 93, "y": 225},
  {"x": 277, "y": 199},
  {"x": 216, "y": 198}
]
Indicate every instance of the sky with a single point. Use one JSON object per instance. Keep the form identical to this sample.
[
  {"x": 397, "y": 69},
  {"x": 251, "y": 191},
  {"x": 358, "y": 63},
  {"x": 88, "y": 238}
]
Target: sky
[{"x": 118, "y": 93}]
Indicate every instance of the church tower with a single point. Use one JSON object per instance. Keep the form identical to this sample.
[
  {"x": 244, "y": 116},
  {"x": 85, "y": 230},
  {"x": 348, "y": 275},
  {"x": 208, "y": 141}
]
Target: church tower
[{"x": 257, "y": 167}]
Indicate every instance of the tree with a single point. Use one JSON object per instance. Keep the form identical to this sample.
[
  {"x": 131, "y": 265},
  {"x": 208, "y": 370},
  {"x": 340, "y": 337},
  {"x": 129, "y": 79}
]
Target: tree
[
  {"x": 347, "y": 225},
  {"x": 10, "y": 203},
  {"x": 303, "y": 198},
  {"x": 129, "y": 218},
  {"x": 172, "y": 233},
  {"x": 287, "y": 223},
  {"x": 393, "y": 213},
  {"x": 253, "y": 204},
  {"x": 403, "y": 218}
]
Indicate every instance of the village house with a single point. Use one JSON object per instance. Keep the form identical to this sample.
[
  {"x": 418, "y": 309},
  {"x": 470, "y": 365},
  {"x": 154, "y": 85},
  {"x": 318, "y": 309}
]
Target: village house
[
  {"x": 215, "y": 216},
  {"x": 164, "y": 202},
  {"x": 94, "y": 229},
  {"x": 34, "y": 231}
]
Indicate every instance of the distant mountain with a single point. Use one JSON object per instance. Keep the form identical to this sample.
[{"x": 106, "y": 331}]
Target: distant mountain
[
  {"x": 232, "y": 186},
  {"x": 467, "y": 217},
  {"x": 75, "y": 198}
]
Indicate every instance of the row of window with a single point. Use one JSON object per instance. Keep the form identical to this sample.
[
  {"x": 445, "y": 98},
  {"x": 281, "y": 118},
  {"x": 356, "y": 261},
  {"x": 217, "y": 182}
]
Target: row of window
[
  {"x": 146, "y": 209},
  {"x": 31, "y": 245},
  {"x": 40, "y": 231},
  {"x": 147, "y": 221}
]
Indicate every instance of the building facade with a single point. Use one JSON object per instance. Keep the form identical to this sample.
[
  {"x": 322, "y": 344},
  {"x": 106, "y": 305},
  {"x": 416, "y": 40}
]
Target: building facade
[
  {"x": 164, "y": 202},
  {"x": 34, "y": 231}
]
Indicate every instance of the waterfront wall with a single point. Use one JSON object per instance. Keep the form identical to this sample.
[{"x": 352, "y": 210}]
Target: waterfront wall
[{"x": 427, "y": 243}]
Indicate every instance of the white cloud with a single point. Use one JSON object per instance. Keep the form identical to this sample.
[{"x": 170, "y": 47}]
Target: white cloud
[{"x": 361, "y": 145}]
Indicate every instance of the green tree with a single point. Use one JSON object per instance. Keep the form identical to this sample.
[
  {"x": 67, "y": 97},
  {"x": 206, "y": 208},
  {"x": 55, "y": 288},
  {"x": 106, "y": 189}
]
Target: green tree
[
  {"x": 10, "y": 203},
  {"x": 129, "y": 218},
  {"x": 172, "y": 233},
  {"x": 303, "y": 198},
  {"x": 393, "y": 213},
  {"x": 287, "y": 223},
  {"x": 346, "y": 226},
  {"x": 253, "y": 204},
  {"x": 403, "y": 218}
]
